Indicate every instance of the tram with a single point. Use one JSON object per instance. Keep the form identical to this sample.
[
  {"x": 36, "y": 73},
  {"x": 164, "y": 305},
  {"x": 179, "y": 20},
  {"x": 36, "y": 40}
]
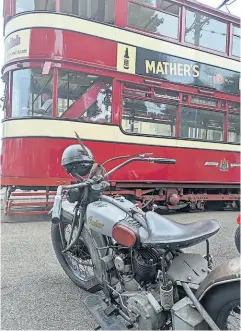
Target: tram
[{"x": 131, "y": 77}]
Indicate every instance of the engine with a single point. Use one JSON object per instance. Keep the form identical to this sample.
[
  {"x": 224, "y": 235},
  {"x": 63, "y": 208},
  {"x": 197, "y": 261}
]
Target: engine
[
  {"x": 145, "y": 263},
  {"x": 141, "y": 290}
]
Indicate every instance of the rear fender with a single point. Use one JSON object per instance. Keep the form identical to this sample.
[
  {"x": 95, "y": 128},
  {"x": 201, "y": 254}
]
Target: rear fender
[{"x": 227, "y": 272}]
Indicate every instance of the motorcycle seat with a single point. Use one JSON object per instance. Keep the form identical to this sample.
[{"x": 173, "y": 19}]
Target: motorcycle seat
[{"x": 166, "y": 233}]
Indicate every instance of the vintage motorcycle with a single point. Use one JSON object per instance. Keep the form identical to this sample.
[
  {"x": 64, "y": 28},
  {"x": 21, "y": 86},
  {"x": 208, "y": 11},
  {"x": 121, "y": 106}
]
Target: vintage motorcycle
[{"x": 108, "y": 243}]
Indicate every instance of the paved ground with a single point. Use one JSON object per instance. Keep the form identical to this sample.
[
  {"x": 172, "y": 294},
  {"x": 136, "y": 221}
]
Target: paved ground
[{"x": 36, "y": 294}]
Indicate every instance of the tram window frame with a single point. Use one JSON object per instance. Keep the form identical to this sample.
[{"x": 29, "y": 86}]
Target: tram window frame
[
  {"x": 144, "y": 8},
  {"x": 135, "y": 125},
  {"x": 38, "y": 101},
  {"x": 94, "y": 114},
  {"x": 183, "y": 120},
  {"x": 211, "y": 43}
]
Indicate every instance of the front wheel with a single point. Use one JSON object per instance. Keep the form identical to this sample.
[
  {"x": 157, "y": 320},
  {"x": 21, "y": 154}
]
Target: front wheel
[
  {"x": 223, "y": 305},
  {"x": 78, "y": 263},
  {"x": 237, "y": 238}
]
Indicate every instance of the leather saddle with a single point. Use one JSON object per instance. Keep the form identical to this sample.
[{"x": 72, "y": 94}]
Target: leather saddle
[{"x": 166, "y": 233}]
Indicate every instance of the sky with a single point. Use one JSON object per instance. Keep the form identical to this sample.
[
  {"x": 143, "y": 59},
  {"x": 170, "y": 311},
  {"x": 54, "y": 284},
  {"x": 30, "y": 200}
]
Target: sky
[{"x": 233, "y": 8}]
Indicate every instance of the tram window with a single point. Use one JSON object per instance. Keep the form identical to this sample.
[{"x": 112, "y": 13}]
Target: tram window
[
  {"x": 205, "y": 31},
  {"x": 90, "y": 95},
  {"x": 234, "y": 123},
  {"x": 145, "y": 117},
  {"x": 236, "y": 41},
  {"x": 201, "y": 124},
  {"x": 30, "y": 5},
  {"x": 96, "y": 10},
  {"x": 32, "y": 93},
  {"x": 163, "y": 22}
]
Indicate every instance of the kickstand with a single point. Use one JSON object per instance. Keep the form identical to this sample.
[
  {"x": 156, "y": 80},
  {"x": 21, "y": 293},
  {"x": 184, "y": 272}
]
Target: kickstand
[{"x": 97, "y": 328}]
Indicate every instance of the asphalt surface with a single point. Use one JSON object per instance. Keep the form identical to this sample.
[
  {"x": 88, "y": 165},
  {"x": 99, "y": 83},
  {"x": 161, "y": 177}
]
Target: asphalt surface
[{"x": 37, "y": 295}]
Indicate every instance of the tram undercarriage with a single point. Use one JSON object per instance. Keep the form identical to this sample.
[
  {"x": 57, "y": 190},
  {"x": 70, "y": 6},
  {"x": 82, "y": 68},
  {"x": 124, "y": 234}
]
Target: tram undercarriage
[
  {"x": 162, "y": 198},
  {"x": 193, "y": 198}
]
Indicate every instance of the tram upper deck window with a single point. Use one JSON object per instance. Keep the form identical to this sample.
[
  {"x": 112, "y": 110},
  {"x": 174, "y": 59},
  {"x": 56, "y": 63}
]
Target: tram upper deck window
[
  {"x": 205, "y": 31},
  {"x": 96, "y": 10},
  {"x": 201, "y": 124},
  {"x": 31, "y": 5},
  {"x": 159, "y": 17},
  {"x": 236, "y": 41},
  {"x": 31, "y": 93},
  {"x": 85, "y": 97},
  {"x": 234, "y": 123}
]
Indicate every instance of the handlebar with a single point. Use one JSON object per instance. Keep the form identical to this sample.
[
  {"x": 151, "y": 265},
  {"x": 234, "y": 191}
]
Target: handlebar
[
  {"x": 142, "y": 159},
  {"x": 161, "y": 160},
  {"x": 57, "y": 207}
]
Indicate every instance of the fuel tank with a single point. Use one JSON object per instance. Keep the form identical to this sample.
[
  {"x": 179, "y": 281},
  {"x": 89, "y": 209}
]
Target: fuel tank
[{"x": 102, "y": 216}]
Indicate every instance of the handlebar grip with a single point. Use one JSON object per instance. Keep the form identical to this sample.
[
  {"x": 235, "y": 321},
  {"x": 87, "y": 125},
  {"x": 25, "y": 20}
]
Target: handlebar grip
[
  {"x": 57, "y": 208},
  {"x": 162, "y": 160}
]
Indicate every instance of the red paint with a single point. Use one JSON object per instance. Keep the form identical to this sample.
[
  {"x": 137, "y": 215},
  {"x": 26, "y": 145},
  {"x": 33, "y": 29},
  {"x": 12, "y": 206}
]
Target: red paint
[
  {"x": 8, "y": 9},
  {"x": 46, "y": 163},
  {"x": 55, "y": 92},
  {"x": 178, "y": 117},
  {"x": 121, "y": 13},
  {"x": 68, "y": 45},
  {"x": 238, "y": 219},
  {"x": 117, "y": 102}
]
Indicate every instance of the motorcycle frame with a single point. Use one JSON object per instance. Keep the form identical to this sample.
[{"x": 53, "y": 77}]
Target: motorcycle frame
[
  {"x": 225, "y": 273},
  {"x": 218, "y": 276}
]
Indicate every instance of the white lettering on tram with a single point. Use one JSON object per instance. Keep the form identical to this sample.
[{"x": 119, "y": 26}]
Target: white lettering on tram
[{"x": 172, "y": 69}]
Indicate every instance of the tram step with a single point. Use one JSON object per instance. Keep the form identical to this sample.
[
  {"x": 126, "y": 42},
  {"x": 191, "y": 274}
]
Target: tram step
[{"x": 98, "y": 308}]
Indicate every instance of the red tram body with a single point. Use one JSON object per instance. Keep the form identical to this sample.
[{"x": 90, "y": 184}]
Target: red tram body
[{"x": 130, "y": 77}]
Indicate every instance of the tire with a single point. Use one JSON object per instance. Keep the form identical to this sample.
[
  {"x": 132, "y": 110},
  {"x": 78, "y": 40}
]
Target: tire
[
  {"x": 221, "y": 301},
  {"x": 237, "y": 238},
  {"x": 90, "y": 284}
]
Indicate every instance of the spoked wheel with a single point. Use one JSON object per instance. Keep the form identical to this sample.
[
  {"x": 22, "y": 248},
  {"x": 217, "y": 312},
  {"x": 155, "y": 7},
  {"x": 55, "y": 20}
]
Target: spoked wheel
[{"x": 80, "y": 261}]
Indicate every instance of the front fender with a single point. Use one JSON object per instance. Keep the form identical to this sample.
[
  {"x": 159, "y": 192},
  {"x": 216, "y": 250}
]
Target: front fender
[{"x": 224, "y": 273}]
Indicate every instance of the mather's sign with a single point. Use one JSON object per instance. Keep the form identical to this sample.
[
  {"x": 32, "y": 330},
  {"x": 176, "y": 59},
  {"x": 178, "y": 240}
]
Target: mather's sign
[
  {"x": 145, "y": 62},
  {"x": 17, "y": 45},
  {"x": 171, "y": 69}
]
